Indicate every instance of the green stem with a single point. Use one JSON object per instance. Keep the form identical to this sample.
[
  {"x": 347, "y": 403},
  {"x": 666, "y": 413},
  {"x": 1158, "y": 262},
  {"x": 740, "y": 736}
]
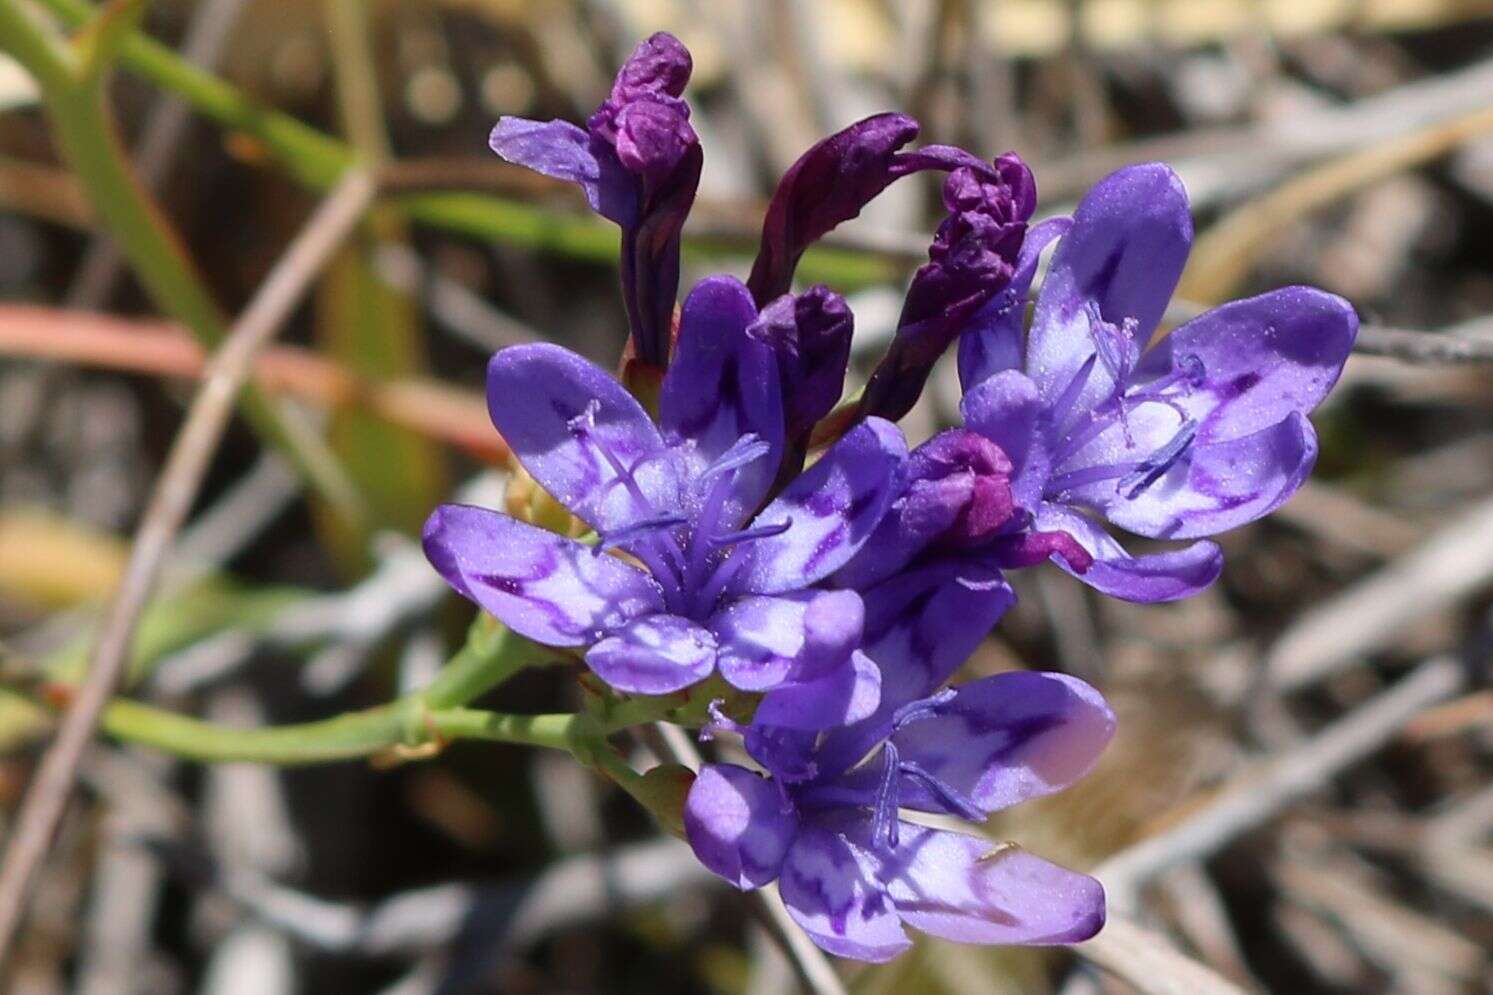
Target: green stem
[
  {"x": 492, "y": 654},
  {"x": 346, "y": 737},
  {"x": 89, "y": 145}
]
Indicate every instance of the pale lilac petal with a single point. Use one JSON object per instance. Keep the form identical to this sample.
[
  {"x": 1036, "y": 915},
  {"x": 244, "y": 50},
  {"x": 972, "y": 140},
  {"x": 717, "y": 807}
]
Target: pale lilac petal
[
  {"x": 1007, "y": 409},
  {"x": 1006, "y": 739},
  {"x": 973, "y": 890},
  {"x": 564, "y": 151},
  {"x": 544, "y": 586},
  {"x": 830, "y": 889},
  {"x": 767, "y": 640},
  {"x": 1264, "y": 358},
  {"x": 993, "y": 341},
  {"x": 656, "y": 654},
  {"x": 847, "y": 694},
  {"x": 920, "y": 627},
  {"x": 723, "y": 384},
  {"x": 1125, "y": 253},
  {"x": 739, "y": 824},
  {"x": 1151, "y": 577},
  {"x": 760, "y": 639},
  {"x": 1219, "y": 486},
  {"x": 830, "y": 510},
  {"x": 563, "y": 416}
]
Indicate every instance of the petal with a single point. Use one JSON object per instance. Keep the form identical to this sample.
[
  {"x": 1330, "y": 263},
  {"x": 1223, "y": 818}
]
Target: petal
[
  {"x": 972, "y": 890},
  {"x": 1264, "y": 358},
  {"x": 765, "y": 640},
  {"x": 1006, "y": 739},
  {"x": 723, "y": 384},
  {"x": 847, "y": 694},
  {"x": 567, "y": 420},
  {"x": 759, "y": 639},
  {"x": 655, "y": 654},
  {"x": 739, "y": 824},
  {"x": 1152, "y": 577},
  {"x": 831, "y": 510},
  {"x": 830, "y": 889},
  {"x": 1125, "y": 253},
  {"x": 544, "y": 586},
  {"x": 1218, "y": 486},
  {"x": 564, "y": 151},
  {"x": 921, "y": 626},
  {"x": 1006, "y": 409},
  {"x": 993, "y": 340}
]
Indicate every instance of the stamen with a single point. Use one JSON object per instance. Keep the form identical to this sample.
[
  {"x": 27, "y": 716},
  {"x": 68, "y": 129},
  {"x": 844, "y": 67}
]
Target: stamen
[
  {"x": 748, "y": 535},
  {"x": 923, "y": 708},
  {"x": 1115, "y": 346},
  {"x": 719, "y": 722},
  {"x": 1069, "y": 397},
  {"x": 725, "y": 572},
  {"x": 952, "y": 798},
  {"x": 884, "y": 821},
  {"x": 1064, "y": 482},
  {"x": 1159, "y": 462},
  {"x": 583, "y": 426},
  {"x": 638, "y": 530},
  {"x": 747, "y": 449}
]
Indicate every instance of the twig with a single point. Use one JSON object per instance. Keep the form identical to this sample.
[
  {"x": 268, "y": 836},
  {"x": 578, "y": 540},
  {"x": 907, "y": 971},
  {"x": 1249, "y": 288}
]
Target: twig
[
  {"x": 1223, "y": 256},
  {"x": 1271, "y": 785},
  {"x": 187, "y": 462},
  {"x": 1450, "y": 565},
  {"x": 162, "y": 348},
  {"x": 1148, "y": 961},
  {"x": 1424, "y": 347},
  {"x": 505, "y": 916}
]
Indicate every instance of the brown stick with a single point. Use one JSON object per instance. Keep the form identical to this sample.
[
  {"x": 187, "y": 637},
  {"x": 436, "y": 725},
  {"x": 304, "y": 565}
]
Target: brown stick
[
  {"x": 161, "y": 348},
  {"x": 172, "y": 498}
]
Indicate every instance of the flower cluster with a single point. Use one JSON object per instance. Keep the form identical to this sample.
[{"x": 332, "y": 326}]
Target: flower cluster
[{"x": 841, "y": 599}]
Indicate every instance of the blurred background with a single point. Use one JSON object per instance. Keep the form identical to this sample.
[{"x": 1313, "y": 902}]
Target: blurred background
[{"x": 1310, "y": 741}]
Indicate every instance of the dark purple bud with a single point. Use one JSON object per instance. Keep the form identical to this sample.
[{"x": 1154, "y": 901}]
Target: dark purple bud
[
  {"x": 638, "y": 161},
  {"x": 809, "y": 335},
  {"x": 1025, "y": 549},
  {"x": 661, "y": 64},
  {"x": 959, "y": 490},
  {"x": 972, "y": 258},
  {"x": 830, "y": 184},
  {"x": 645, "y": 127}
]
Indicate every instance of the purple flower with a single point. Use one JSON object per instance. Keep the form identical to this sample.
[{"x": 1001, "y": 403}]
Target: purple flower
[
  {"x": 809, "y": 335},
  {"x": 972, "y": 259},
  {"x": 831, "y": 183},
  {"x": 719, "y": 584},
  {"x": 638, "y": 161},
  {"x": 1204, "y": 431},
  {"x": 826, "y": 825},
  {"x": 957, "y": 506}
]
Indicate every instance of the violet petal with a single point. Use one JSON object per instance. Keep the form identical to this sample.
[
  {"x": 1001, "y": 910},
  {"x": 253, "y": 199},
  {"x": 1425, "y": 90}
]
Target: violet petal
[
  {"x": 738, "y": 824},
  {"x": 831, "y": 891},
  {"x": 655, "y": 654},
  {"x": 564, "y": 417},
  {"x": 1148, "y": 578},
  {"x": 544, "y": 586}
]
